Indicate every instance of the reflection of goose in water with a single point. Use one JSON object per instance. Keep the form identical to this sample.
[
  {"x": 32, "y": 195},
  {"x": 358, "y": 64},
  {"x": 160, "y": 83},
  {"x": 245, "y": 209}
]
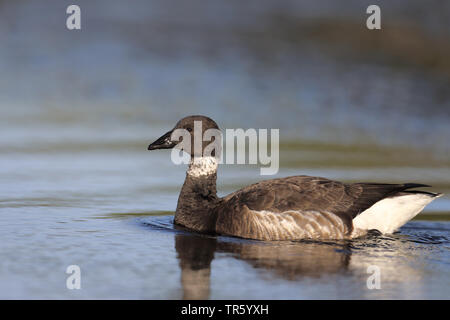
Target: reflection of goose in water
[
  {"x": 287, "y": 260},
  {"x": 195, "y": 254},
  {"x": 402, "y": 258},
  {"x": 292, "y": 260}
]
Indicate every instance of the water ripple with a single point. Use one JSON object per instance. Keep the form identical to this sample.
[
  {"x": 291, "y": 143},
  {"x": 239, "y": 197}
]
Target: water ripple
[{"x": 413, "y": 232}]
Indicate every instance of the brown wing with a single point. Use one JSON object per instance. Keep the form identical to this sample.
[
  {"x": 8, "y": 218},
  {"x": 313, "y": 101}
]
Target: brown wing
[{"x": 305, "y": 193}]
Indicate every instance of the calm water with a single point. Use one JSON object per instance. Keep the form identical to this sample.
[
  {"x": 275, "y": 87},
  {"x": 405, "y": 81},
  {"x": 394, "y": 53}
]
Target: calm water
[
  {"x": 111, "y": 214},
  {"x": 77, "y": 186}
]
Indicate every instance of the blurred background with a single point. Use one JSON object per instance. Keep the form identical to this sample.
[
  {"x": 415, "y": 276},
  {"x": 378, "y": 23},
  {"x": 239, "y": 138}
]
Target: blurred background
[{"x": 78, "y": 109}]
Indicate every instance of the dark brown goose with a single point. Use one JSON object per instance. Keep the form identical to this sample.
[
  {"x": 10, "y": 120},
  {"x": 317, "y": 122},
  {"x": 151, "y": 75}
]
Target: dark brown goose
[{"x": 292, "y": 208}]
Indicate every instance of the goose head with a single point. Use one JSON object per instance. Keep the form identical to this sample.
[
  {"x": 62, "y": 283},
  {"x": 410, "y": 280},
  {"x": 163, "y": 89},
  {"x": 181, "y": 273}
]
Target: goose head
[{"x": 193, "y": 134}]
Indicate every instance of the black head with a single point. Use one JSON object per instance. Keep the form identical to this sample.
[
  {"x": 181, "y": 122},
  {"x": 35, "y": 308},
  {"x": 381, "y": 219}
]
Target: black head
[{"x": 193, "y": 127}]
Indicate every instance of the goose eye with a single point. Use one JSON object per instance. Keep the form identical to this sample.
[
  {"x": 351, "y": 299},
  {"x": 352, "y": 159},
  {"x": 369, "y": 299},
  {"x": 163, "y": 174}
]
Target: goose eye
[{"x": 189, "y": 129}]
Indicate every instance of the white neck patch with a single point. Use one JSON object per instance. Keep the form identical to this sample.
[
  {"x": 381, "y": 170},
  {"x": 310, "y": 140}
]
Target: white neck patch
[{"x": 202, "y": 166}]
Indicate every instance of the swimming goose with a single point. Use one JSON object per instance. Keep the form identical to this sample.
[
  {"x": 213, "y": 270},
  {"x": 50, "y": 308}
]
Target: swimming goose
[{"x": 291, "y": 208}]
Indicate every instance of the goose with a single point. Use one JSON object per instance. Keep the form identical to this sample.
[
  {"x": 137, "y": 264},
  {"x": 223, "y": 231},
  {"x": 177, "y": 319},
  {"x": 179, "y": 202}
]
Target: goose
[{"x": 290, "y": 208}]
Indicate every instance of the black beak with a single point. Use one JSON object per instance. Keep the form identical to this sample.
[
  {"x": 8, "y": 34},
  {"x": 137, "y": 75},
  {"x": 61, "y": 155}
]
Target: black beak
[{"x": 163, "y": 142}]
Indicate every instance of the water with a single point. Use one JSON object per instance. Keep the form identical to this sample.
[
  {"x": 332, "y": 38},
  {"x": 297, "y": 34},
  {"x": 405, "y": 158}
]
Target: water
[
  {"x": 111, "y": 213},
  {"x": 77, "y": 186}
]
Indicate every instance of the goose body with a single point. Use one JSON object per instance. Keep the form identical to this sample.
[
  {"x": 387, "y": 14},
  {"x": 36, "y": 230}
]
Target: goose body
[{"x": 291, "y": 208}]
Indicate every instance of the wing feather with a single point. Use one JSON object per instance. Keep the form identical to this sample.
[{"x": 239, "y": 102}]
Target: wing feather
[{"x": 305, "y": 193}]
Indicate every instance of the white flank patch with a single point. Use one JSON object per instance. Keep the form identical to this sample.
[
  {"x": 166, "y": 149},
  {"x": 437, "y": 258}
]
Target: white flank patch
[
  {"x": 294, "y": 225},
  {"x": 202, "y": 166},
  {"x": 389, "y": 214}
]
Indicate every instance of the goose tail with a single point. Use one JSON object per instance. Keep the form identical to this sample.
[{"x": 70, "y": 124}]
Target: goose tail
[{"x": 389, "y": 214}]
